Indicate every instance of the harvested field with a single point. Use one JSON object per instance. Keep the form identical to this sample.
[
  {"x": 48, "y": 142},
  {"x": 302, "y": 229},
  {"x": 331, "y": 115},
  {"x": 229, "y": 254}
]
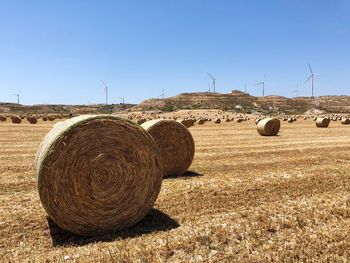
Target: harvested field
[{"x": 248, "y": 198}]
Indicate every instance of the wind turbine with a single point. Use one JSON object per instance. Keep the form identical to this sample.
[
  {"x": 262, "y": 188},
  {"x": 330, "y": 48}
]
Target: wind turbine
[
  {"x": 213, "y": 83},
  {"x": 163, "y": 94},
  {"x": 122, "y": 99},
  {"x": 17, "y": 95},
  {"x": 245, "y": 87},
  {"x": 312, "y": 80},
  {"x": 105, "y": 90},
  {"x": 263, "y": 85},
  {"x": 296, "y": 91}
]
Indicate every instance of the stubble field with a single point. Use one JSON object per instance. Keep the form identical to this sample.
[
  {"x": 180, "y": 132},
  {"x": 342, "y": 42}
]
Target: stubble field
[{"x": 247, "y": 198}]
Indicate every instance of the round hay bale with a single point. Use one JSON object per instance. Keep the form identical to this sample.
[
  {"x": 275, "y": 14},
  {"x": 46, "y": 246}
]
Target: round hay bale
[
  {"x": 200, "y": 121},
  {"x": 268, "y": 127},
  {"x": 51, "y": 118},
  {"x": 175, "y": 143},
  {"x": 186, "y": 123},
  {"x": 44, "y": 118},
  {"x": 33, "y": 120},
  {"x": 140, "y": 121},
  {"x": 3, "y": 118},
  {"x": 217, "y": 120},
  {"x": 290, "y": 120},
  {"x": 323, "y": 122},
  {"x": 345, "y": 121},
  {"x": 16, "y": 119},
  {"x": 98, "y": 174}
]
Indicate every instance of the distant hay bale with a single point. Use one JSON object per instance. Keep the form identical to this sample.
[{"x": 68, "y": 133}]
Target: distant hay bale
[
  {"x": 345, "y": 121},
  {"x": 175, "y": 143},
  {"x": 51, "y": 118},
  {"x": 217, "y": 121},
  {"x": 140, "y": 121},
  {"x": 322, "y": 122},
  {"x": 269, "y": 127},
  {"x": 33, "y": 120},
  {"x": 98, "y": 174},
  {"x": 200, "y": 121},
  {"x": 239, "y": 120},
  {"x": 44, "y": 118},
  {"x": 3, "y": 118},
  {"x": 290, "y": 120},
  {"x": 186, "y": 123},
  {"x": 16, "y": 119}
]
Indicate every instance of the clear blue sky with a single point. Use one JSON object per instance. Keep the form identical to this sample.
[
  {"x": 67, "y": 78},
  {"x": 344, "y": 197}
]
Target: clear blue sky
[{"x": 58, "y": 51}]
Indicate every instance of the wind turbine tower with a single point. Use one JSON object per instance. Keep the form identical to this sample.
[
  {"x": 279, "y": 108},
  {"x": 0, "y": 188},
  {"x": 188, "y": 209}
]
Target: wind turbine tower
[
  {"x": 213, "y": 83},
  {"x": 17, "y": 95},
  {"x": 296, "y": 91},
  {"x": 163, "y": 94},
  {"x": 312, "y": 75},
  {"x": 263, "y": 85},
  {"x": 106, "y": 91}
]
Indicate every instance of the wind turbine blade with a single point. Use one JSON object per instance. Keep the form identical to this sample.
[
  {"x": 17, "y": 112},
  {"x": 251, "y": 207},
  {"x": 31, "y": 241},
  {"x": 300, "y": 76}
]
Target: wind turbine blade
[
  {"x": 310, "y": 69},
  {"x": 210, "y": 75},
  {"x": 104, "y": 84},
  {"x": 316, "y": 74},
  {"x": 259, "y": 83},
  {"x": 308, "y": 79}
]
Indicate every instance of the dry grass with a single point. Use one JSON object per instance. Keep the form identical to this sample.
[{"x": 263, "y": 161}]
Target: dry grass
[{"x": 254, "y": 199}]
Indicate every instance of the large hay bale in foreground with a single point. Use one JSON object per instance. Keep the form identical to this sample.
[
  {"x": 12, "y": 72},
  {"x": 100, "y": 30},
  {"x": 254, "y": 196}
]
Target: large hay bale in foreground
[
  {"x": 322, "y": 122},
  {"x": 16, "y": 119},
  {"x": 268, "y": 127},
  {"x": 98, "y": 174},
  {"x": 175, "y": 143}
]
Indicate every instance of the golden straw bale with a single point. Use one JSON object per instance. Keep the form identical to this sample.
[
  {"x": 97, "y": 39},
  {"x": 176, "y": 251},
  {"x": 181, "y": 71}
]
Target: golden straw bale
[
  {"x": 345, "y": 121},
  {"x": 186, "y": 123},
  {"x": 323, "y": 122},
  {"x": 98, "y": 174},
  {"x": 16, "y": 119},
  {"x": 33, "y": 120},
  {"x": 175, "y": 143},
  {"x": 201, "y": 121},
  {"x": 269, "y": 127}
]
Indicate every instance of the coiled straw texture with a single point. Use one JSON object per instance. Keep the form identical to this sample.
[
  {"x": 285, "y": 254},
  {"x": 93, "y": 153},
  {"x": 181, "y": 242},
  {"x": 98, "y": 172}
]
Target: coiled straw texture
[
  {"x": 98, "y": 174},
  {"x": 268, "y": 127},
  {"x": 175, "y": 143}
]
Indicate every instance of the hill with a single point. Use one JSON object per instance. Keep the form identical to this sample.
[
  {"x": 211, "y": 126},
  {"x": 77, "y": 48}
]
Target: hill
[
  {"x": 235, "y": 100},
  {"x": 73, "y": 109},
  {"x": 240, "y": 101}
]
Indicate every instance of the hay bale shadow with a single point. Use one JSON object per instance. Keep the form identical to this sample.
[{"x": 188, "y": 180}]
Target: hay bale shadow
[
  {"x": 185, "y": 176},
  {"x": 154, "y": 221}
]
